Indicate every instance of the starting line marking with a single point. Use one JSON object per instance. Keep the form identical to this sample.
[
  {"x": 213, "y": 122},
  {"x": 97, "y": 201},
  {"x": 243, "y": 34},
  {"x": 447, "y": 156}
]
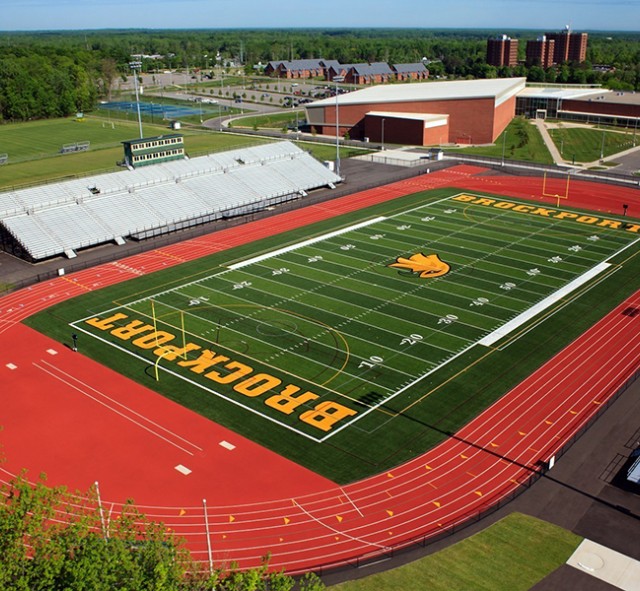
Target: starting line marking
[
  {"x": 12, "y": 366},
  {"x": 227, "y": 445},
  {"x": 183, "y": 469},
  {"x": 52, "y": 352}
]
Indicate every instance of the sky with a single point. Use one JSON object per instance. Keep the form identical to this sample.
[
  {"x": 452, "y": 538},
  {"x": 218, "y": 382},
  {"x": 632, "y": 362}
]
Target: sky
[{"x": 543, "y": 15}]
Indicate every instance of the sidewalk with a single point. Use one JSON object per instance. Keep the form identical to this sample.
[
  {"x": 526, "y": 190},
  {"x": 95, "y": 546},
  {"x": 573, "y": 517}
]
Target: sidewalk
[{"x": 543, "y": 128}]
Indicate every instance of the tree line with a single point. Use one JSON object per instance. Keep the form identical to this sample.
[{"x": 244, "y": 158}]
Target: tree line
[
  {"x": 54, "y": 74},
  {"x": 53, "y": 540}
]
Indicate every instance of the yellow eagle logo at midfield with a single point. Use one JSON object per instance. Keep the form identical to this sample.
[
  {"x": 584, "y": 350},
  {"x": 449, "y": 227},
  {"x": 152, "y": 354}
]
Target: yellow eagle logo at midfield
[{"x": 427, "y": 265}]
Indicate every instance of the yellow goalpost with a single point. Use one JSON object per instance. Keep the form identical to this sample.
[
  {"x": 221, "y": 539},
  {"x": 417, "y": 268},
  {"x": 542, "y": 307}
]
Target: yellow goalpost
[
  {"x": 556, "y": 195},
  {"x": 168, "y": 350}
]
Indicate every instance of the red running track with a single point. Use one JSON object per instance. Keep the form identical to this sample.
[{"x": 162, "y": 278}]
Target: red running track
[{"x": 80, "y": 422}]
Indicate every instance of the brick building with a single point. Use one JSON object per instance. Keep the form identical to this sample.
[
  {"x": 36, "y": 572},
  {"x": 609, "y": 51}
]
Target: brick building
[
  {"x": 295, "y": 69},
  {"x": 540, "y": 52},
  {"x": 569, "y": 47},
  {"x": 376, "y": 73},
  {"x": 502, "y": 51},
  {"x": 416, "y": 71},
  {"x": 463, "y": 111}
]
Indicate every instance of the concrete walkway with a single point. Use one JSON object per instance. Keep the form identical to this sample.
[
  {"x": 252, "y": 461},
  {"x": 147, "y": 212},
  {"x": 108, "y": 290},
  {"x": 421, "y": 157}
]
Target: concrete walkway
[{"x": 543, "y": 128}]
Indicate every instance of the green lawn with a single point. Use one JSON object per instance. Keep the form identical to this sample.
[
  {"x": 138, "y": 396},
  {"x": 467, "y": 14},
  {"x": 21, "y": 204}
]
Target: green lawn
[
  {"x": 36, "y": 140},
  {"x": 588, "y": 145},
  {"x": 519, "y": 141},
  {"x": 34, "y": 147},
  {"x": 511, "y": 555},
  {"x": 330, "y": 321},
  {"x": 271, "y": 121}
]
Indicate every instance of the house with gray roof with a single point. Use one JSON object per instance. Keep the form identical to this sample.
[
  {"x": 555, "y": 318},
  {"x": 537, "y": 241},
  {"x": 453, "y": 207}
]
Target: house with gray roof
[
  {"x": 311, "y": 68},
  {"x": 416, "y": 71},
  {"x": 375, "y": 73}
]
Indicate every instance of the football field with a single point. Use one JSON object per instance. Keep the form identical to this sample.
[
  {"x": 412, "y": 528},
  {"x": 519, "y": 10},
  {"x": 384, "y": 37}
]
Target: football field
[{"x": 346, "y": 330}]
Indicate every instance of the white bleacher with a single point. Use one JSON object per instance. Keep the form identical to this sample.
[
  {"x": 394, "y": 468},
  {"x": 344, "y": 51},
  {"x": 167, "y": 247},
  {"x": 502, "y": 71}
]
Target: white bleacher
[
  {"x": 49, "y": 220},
  {"x": 264, "y": 184},
  {"x": 73, "y": 226},
  {"x": 124, "y": 213},
  {"x": 33, "y": 237}
]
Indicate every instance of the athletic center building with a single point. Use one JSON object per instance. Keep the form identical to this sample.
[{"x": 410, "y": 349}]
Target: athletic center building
[{"x": 461, "y": 112}]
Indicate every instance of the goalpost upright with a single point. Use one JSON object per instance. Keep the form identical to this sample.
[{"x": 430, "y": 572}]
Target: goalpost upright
[{"x": 556, "y": 195}]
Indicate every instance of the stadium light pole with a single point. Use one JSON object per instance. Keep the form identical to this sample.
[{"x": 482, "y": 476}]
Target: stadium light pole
[
  {"x": 293, "y": 86},
  {"x": 135, "y": 68},
  {"x": 337, "y": 79}
]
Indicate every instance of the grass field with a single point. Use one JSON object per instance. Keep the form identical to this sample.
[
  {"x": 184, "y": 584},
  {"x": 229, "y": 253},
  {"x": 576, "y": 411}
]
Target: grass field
[
  {"x": 342, "y": 333},
  {"x": 587, "y": 145},
  {"x": 34, "y": 147},
  {"x": 519, "y": 141},
  {"x": 511, "y": 555}
]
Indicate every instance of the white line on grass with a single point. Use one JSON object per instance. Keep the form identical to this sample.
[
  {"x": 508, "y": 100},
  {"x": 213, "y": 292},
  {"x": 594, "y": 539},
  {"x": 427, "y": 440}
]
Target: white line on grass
[
  {"x": 542, "y": 305},
  {"x": 275, "y": 253},
  {"x": 149, "y": 362},
  {"x": 556, "y": 296}
]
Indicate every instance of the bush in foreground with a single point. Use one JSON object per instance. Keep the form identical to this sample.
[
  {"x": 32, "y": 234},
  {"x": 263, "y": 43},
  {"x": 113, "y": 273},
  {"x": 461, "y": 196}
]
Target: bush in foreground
[{"x": 51, "y": 539}]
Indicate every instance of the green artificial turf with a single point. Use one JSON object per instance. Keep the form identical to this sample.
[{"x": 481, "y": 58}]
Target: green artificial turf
[{"x": 331, "y": 321}]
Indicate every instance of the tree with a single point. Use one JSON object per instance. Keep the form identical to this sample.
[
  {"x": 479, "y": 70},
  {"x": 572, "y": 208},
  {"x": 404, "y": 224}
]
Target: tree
[
  {"x": 52, "y": 539},
  {"x": 109, "y": 72}
]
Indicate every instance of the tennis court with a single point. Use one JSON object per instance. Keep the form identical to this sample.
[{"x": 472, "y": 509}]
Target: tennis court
[{"x": 160, "y": 110}]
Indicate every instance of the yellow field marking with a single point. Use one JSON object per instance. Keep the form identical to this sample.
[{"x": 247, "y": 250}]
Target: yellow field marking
[
  {"x": 231, "y": 518},
  {"x": 286, "y": 520},
  {"x": 204, "y": 339},
  {"x": 339, "y": 518},
  {"x": 490, "y": 350},
  {"x": 549, "y": 422},
  {"x": 389, "y": 475},
  {"x": 437, "y": 504},
  {"x": 390, "y": 512},
  {"x": 478, "y": 492}
]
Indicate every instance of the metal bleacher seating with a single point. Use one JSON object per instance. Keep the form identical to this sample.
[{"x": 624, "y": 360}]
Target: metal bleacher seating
[{"x": 58, "y": 218}]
